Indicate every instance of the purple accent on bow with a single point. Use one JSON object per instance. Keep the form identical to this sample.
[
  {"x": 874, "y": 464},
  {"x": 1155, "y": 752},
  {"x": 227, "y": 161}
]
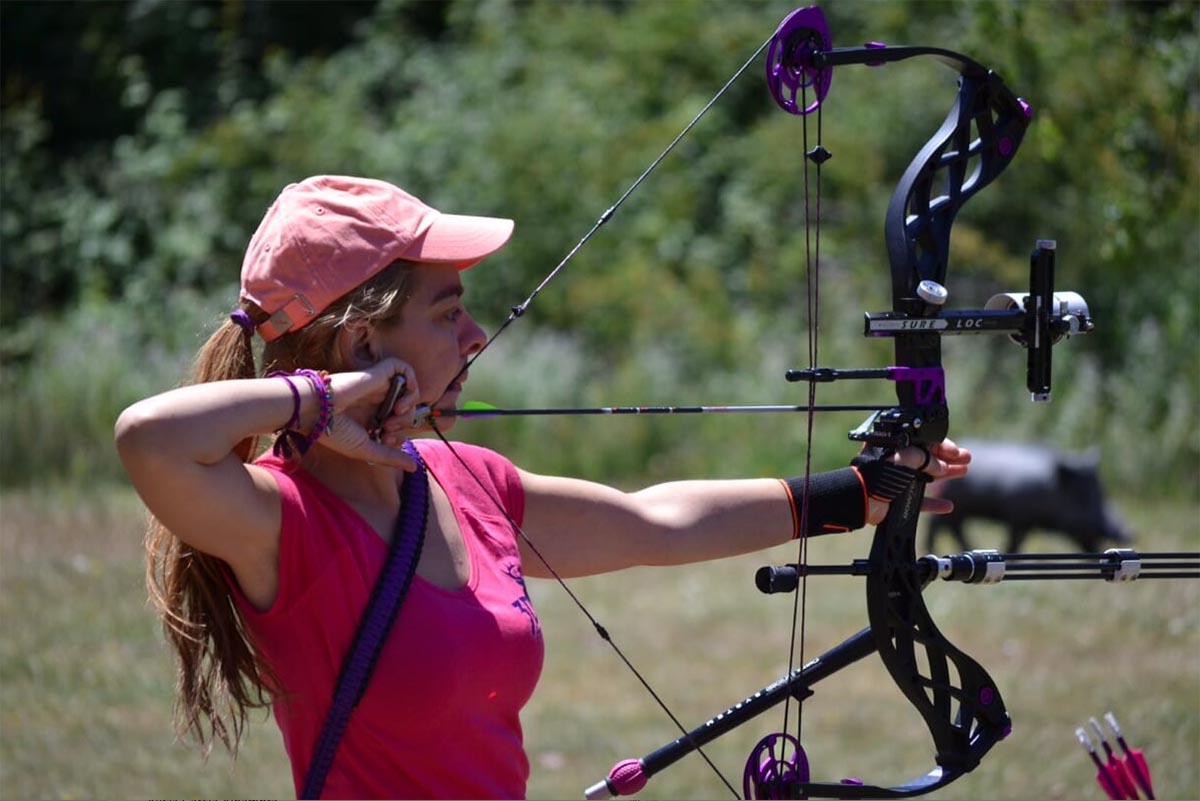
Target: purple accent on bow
[
  {"x": 930, "y": 382},
  {"x": 875, "y": 46},
  {"x": 790, "y": 73},
  {"x": 777, "y": 768}
]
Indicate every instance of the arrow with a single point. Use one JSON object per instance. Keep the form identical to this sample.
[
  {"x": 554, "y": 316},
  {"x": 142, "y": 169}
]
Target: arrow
[
  {"x": 1103, "y": 776},
  {"x": 481, "y": 409},
  {"x": 1115, "y": 766},
  {"x": 1134, "y": 759}
]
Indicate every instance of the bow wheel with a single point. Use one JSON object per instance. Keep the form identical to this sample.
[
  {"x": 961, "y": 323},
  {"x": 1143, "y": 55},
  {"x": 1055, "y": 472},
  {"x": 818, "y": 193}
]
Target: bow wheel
[
  {"x": 777, "y": 768},
  {"x": 791, "y": 73}
]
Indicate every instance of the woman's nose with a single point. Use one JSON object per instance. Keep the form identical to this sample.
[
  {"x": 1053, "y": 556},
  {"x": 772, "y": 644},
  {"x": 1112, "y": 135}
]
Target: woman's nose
[{"x": 473, "y": 336}]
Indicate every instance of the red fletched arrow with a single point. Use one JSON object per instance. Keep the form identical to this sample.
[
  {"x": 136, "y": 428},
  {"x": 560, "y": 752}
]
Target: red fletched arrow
[
  {"x": 1134, "y": 760},
  {"x": 1104, "y": 775},
  {"x": 1116, "y": 767}
]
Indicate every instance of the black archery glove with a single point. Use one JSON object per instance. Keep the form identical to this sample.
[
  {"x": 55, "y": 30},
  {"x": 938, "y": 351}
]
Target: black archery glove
[
  {"x": 838, "y": 500},
  {"x": 883, "y": 479}
]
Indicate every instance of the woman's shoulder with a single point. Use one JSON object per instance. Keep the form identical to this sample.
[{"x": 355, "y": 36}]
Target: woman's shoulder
[
  {"x": 437, "y": 453},
  {"x": 298, "y": 489},
  {"x": 472, "y": 468}
]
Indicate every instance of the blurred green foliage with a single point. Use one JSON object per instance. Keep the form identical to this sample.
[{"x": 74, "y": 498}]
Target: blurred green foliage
[{"x": 141, "y": 141}]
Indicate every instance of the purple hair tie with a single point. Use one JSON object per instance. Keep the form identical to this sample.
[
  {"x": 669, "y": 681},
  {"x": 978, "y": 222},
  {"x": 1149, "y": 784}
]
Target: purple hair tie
[{"x": 243, "y": 320}]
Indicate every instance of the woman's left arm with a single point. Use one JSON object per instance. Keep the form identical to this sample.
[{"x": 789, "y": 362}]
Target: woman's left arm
[{"x": 583, "y": 528}]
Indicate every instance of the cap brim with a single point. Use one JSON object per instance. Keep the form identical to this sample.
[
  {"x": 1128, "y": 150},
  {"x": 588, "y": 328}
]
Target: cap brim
[{"x": 460, "y": 240}]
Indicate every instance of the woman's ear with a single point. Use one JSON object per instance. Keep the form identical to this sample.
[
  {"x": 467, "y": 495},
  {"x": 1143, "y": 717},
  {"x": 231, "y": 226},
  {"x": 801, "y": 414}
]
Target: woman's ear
[{"x": 356, "y": 346}]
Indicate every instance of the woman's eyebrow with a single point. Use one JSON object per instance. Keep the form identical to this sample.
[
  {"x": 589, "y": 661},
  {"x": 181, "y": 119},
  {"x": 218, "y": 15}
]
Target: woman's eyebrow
[{"x": 452, "y": 291}]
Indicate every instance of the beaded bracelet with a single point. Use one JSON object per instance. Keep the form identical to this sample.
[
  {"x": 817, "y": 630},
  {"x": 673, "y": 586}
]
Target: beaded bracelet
[
  {"x": 291, "y": 443},
  {"x": 323, "y": 386}
]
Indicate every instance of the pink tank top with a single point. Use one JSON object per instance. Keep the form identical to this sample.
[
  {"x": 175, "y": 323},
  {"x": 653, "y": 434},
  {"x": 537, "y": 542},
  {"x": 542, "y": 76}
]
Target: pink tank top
[{"x": 441, "y": 715}]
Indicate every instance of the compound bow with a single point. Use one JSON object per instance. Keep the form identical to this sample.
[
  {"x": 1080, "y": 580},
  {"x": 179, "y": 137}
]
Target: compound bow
[{"x": 957, "y": 699}]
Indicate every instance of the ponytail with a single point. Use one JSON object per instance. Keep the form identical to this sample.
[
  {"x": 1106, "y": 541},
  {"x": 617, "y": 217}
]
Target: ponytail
[{"x": 220, "y": 676}]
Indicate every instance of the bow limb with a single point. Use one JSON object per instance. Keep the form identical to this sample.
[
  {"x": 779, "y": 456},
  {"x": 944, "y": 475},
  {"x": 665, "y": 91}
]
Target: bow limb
[{"x": 975, "y": 143}]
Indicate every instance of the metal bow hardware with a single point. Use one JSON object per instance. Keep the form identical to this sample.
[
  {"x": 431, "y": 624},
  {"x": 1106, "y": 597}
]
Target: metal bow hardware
[{"x": 960, "y": 704}]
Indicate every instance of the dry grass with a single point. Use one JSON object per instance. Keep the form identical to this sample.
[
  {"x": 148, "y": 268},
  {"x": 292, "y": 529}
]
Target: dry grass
[{"x": 85, "y": 696}]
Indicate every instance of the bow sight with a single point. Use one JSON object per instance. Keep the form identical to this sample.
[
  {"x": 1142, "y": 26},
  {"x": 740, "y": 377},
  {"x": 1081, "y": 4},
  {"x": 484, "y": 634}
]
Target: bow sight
[{"x": 1037, "y": 321}]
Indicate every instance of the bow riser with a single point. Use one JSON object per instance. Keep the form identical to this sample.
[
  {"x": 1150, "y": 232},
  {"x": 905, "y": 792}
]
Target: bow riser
[{"x": 976, "y": 141}]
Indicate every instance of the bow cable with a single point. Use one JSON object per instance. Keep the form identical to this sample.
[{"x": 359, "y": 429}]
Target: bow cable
[{"x": 812, "y": 278}]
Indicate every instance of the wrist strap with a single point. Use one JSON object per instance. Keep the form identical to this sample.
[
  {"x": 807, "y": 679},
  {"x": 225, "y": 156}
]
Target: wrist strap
[
  {"x": 408, "y": 537},
  {"x": 837, "y": 501}
]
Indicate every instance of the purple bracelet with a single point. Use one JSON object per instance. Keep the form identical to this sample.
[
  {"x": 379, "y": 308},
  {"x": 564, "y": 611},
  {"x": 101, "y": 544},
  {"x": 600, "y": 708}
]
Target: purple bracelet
[
  {"x": 294, "y": 420},
  {"x": 291, "y": 443},
  {"x": 322, "y": 386}
]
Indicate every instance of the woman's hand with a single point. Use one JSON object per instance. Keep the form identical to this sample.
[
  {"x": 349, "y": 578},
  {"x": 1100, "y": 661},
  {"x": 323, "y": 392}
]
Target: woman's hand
[
  {"x": 945, "y": 460},
  {"x": 357, "y": 396}
]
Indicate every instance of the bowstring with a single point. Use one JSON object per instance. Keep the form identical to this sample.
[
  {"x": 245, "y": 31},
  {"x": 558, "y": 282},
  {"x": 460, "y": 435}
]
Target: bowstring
[
  {"x": 519, "y": 311},
  {"x": 812, "y": 286}
]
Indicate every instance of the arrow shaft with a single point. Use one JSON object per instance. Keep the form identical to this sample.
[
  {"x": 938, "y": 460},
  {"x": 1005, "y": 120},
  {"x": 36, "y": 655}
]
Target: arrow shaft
[{"x": 616, "y": 410}]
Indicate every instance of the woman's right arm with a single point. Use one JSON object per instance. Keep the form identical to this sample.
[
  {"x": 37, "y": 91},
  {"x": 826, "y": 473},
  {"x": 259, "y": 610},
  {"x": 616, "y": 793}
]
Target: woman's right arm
[
  {"x": 179, "y": 451},
  {"x": 178, "y": 448}
]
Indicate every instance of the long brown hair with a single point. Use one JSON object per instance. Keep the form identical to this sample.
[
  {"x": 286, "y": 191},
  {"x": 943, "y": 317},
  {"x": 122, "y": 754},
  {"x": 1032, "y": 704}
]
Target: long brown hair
[{"x": 221, "y": 675}]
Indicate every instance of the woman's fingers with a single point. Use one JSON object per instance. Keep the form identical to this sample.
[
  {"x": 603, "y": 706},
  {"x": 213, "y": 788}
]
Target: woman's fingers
[
  {"x": 941, "y": 461},
  {"x": 936, "y": 506},
  {"x": 350, "y": 438}
]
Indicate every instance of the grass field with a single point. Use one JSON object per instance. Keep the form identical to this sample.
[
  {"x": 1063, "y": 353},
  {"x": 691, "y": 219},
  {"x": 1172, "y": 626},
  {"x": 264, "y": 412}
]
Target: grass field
[{"x": 86, "y": 682}]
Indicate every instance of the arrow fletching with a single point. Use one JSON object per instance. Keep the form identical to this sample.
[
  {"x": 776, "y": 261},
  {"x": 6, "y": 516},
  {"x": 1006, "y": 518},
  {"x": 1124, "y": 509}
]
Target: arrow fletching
[
  {"x": 1103, "y": 776},
  {"x": 1134, "y": 759}
]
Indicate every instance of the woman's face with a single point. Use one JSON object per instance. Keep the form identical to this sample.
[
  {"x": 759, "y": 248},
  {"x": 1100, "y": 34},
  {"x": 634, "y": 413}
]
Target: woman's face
[{"x": 436, "y": 335}]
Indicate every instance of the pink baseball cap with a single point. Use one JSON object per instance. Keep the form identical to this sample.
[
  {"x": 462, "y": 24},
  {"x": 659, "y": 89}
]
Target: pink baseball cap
[{"x": 328, "y": 234}]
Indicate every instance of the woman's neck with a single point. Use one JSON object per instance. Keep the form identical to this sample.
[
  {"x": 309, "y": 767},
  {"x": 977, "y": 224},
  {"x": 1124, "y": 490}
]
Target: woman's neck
[{"x": 354, "y": 480}]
